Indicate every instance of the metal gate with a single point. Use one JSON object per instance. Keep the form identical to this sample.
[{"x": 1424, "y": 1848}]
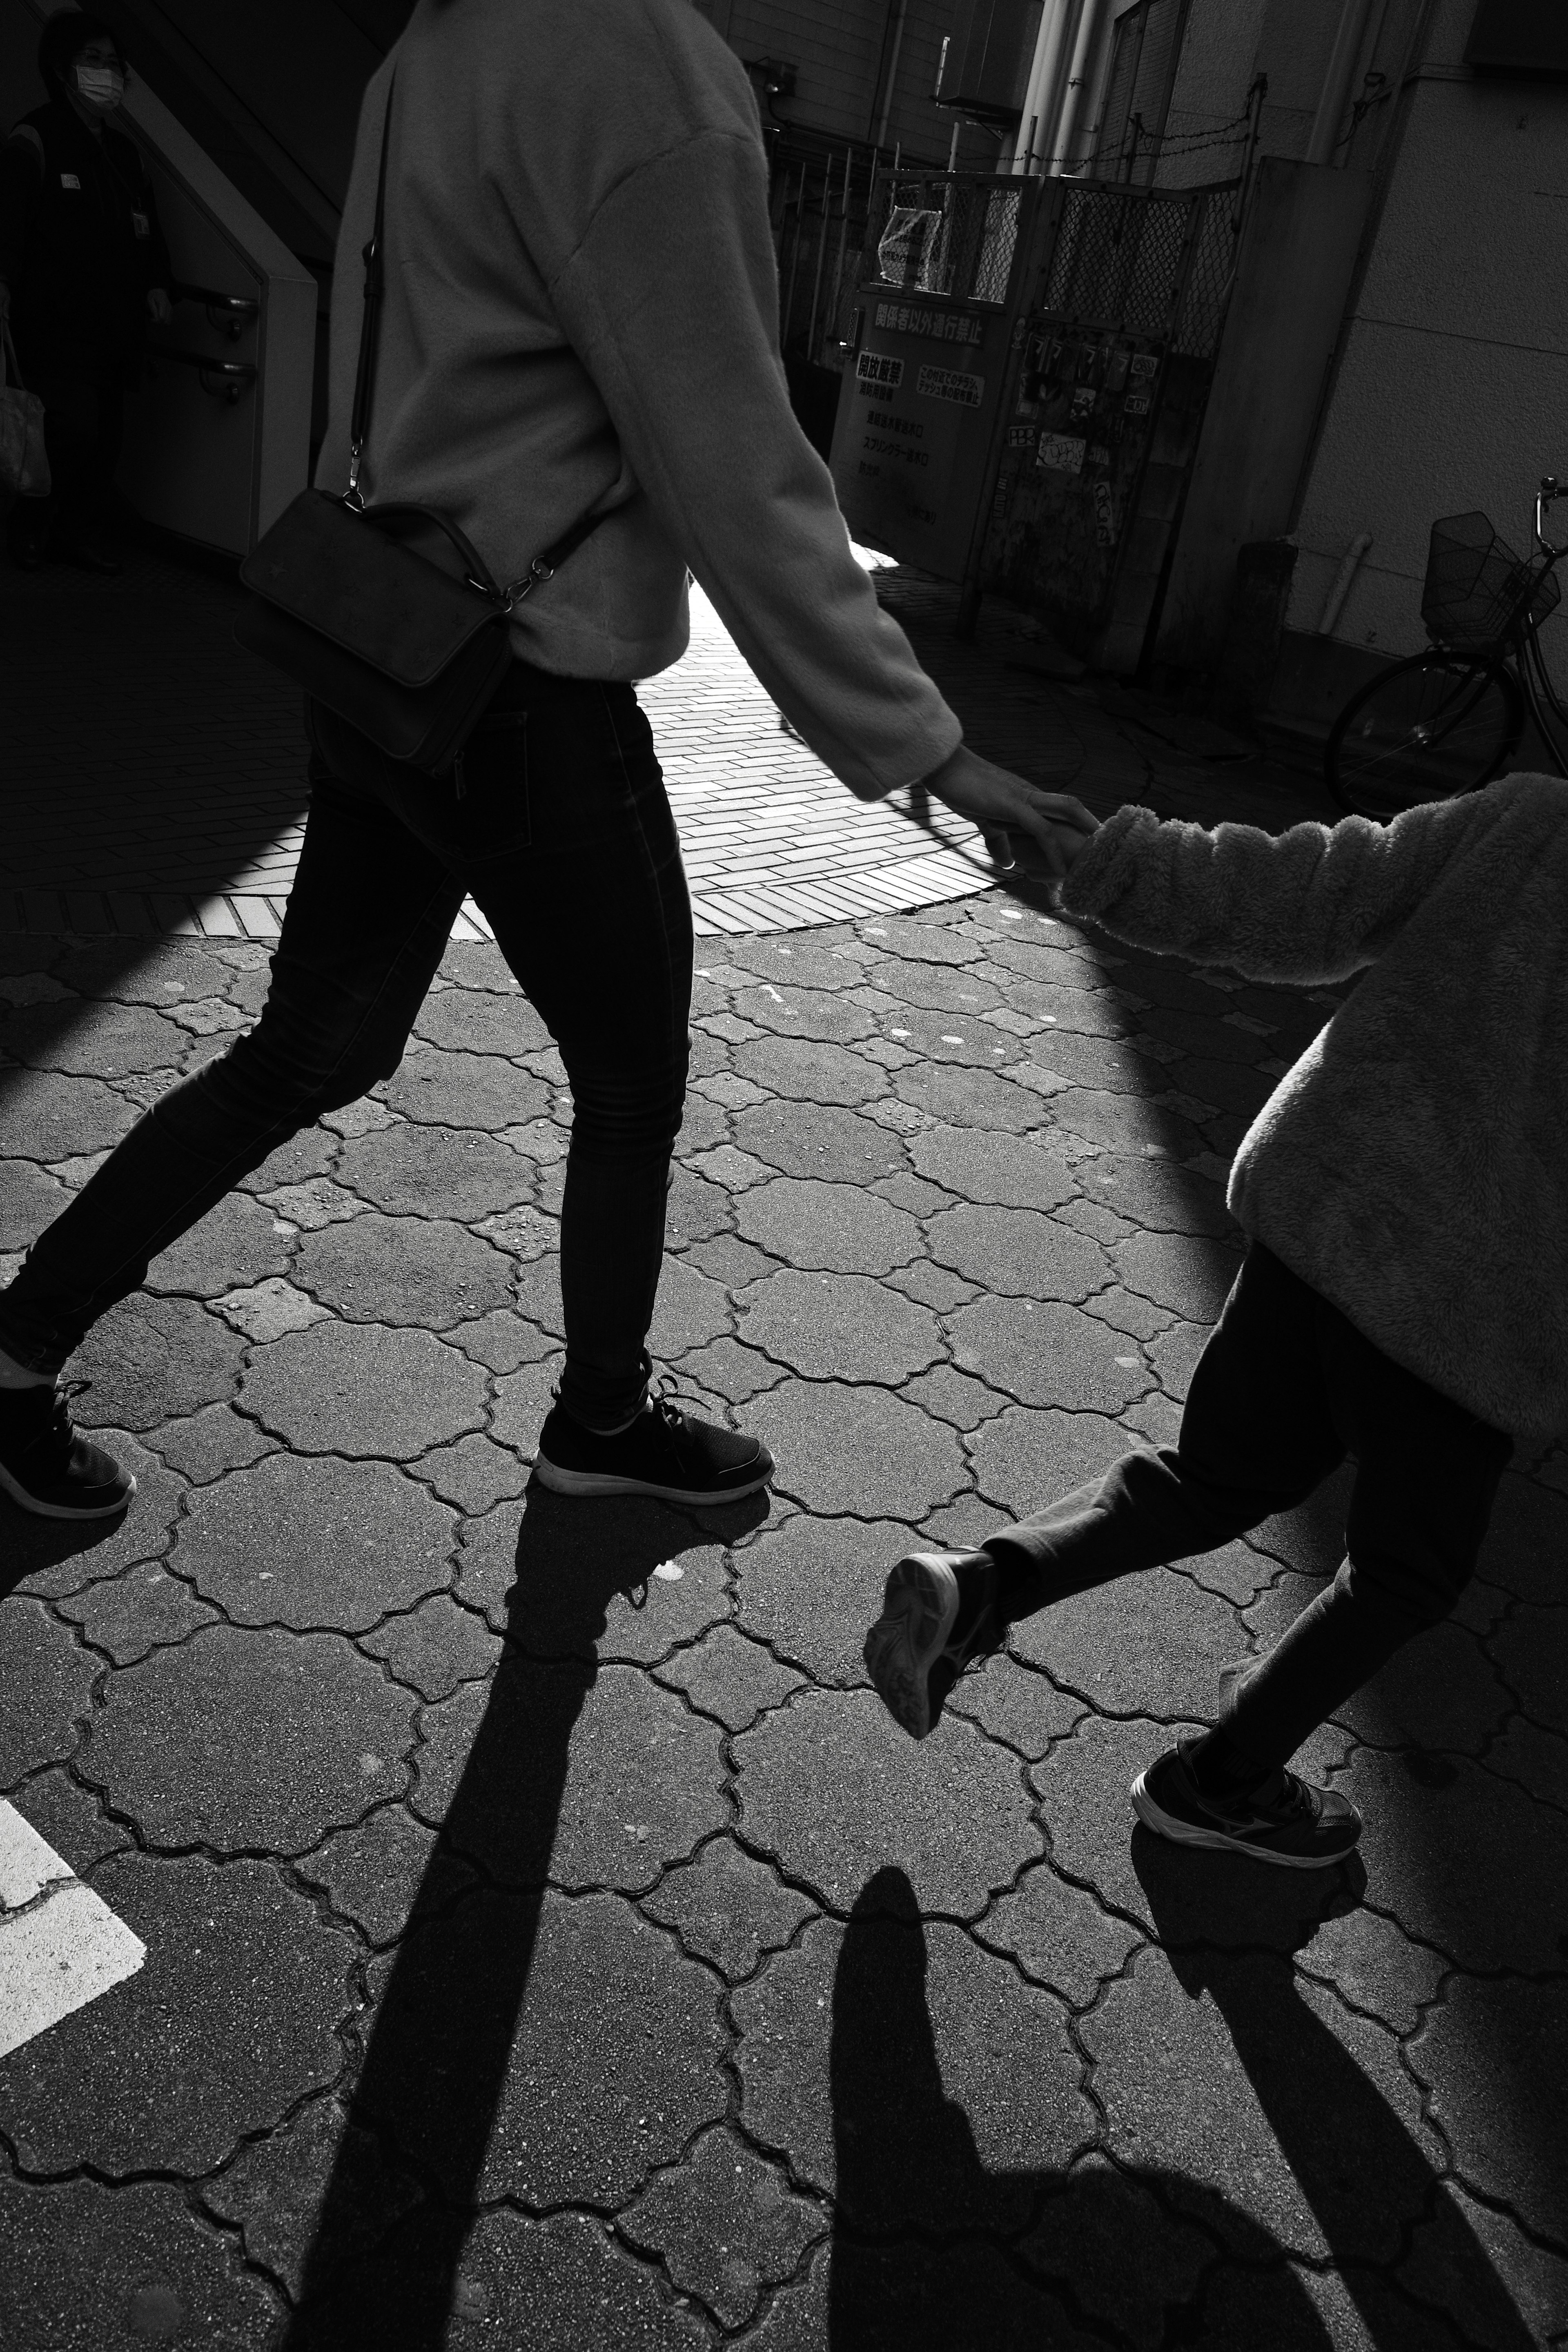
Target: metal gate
[{"x": 1117, "y": 361}]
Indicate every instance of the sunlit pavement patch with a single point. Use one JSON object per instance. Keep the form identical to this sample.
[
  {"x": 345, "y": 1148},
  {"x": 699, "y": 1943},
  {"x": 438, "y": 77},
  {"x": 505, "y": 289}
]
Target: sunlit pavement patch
[{"x": 61, "y": 1945}]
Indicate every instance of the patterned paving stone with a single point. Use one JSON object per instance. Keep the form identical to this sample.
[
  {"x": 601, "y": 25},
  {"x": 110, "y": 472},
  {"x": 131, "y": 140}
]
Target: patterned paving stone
[
  {"x": 424, "y": 1271},
  {"x": 645, "y": 1774},
  {"x": 1298, "y": 2112},
  {"x": 809, "y": 1587},
  {"x": 842, "y": 1327},
  {"x": 1486, "y": 1915},
  {"x": 82, "y": 2259},
  {"x": 817, "y": 1140},
  {"x": 1008, "y": 1171},
  {"x": 941, "y": 2144},
  {"x": 316, "y": 1542},
  {"x": 607, "y": 2039},
  {"x": 29, "y": 1200},
  {"x": 1493, "y": 2057},
  {"x": 1045, "y": 1353},
  {"x": 434, "y": 1647},
  {"x": 569, "y": 1582},
  {"x": 1129, "y": 2263},
  {"x": 464, "y": 1091},
  {"x": 1060, "y": 1936},
  {"x": 860, "y": 1450},
  {"x": 378, "y": 1873},
  {"x": 1020, "y": 1707},
  {"x": 696, "y": 1210},
  {"x": 1531, "y": 1651},
  {"x": 311, "y": 1152},
  {"x": 210, "y": 1443},
  {"x": 726, "y": 1906},
  {"x": 1372, "y": 1965},
  {"x": 53, "y": 1117},
  {"x": 815, "y": 1014},
  {"x": 1187, "y": 1274},
  {"x": 729, "y": 1676},
  {"x": 534, "y": 2280},
  {"x": 831, "y": 1787},
  {"x": 231, "y": 2020},
  {"x": 834, "y": 1228},
  {"x": 725, "y": 2224},
  {"x": 799, "y": 1069},
  {"x": 341, "y": 1389},
  {"x": 1536, "y": 1760},
  {"x": 422, "y": 1172},
  {"x": 1157, "y": 1194},
  {"x": 475, "y": 1473},
  {"x": 1150, "y": 1644},
  {"x": 1024, "y": 1460},
  {"x": 155, "y": 1360},
  {"x": 1125, "y": 1124},
  {"x": 1442, "y": 2272},
  {"x": 953, "y": 1096},
  {"x": 503, "y": 1342},
  {"x": 477, "y": 1021},
  {"x": 281, "y": 1738},
  {"x": 93, "y": 1041},
  {"x": 70, "y": 1818},
  {"x": 45, "y": 1688},
  {"x": 141, "y": 1609},
  {"x": 1526, "y": 1541},
  {"x": 236, "y": 1243},
  {"x": 689, "y": 1310},
  {"x": 273, "y": 2194},
  {"x": 1017, "y": 1252}
]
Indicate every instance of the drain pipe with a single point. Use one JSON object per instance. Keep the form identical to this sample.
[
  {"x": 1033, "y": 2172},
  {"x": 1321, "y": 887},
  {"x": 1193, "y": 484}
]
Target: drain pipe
[
  {"x": 903, "y": 8},
  {"x": 1342, "y": 59},
  {"x": 1341, "y": 587},
  {"x": 1049, "y": 71}
]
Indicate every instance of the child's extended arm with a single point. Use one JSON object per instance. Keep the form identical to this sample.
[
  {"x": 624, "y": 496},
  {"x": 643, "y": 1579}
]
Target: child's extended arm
[{"x": 1313, "y": 905}]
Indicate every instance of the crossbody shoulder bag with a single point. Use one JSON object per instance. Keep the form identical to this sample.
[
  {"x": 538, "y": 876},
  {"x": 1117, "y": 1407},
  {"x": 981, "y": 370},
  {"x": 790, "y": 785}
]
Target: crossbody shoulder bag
[{"x": 395, "y": 644}]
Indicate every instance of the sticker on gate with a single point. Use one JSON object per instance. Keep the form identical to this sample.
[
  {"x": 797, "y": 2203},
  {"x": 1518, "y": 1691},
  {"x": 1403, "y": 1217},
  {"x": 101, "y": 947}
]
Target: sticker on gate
[
  {"x": 951, "y": 384},
  {"x": 1061, "y": 454},
  {"x": 876, "y": 367}
]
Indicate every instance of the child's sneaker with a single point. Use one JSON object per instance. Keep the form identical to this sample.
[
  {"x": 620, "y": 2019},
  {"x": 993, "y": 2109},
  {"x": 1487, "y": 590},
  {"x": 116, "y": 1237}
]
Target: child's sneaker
[
  {"x": 939, "y": 1613},
  {"x": 1285, "y": 1820},
  {"x": 665, "y": 1455},
  {"x": 47, "y": 1468}
]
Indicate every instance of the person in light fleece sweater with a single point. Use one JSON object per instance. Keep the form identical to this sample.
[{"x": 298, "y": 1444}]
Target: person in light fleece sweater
[
  {"x": 1404, "y": 1299},
  {"x": 581, "y": 317}
]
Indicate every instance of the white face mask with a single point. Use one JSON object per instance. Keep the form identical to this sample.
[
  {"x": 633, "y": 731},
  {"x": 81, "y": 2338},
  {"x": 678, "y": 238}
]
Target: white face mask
[{"x": 103, "y": 86}]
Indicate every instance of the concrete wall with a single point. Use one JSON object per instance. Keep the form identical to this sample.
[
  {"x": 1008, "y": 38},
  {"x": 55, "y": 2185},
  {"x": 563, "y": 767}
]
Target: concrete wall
[{"x": 1452, "y": 389}]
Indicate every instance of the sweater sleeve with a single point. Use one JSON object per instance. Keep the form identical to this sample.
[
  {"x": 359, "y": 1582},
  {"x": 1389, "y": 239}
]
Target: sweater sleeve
[
  {"x": 671, "y": 300},
  {"x": 1310, "y": 906},
  {"x": 21, "y": 183}
]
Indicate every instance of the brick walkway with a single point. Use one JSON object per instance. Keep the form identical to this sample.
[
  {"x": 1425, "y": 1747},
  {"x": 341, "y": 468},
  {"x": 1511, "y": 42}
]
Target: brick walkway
[{"x": 155, "y": 773}]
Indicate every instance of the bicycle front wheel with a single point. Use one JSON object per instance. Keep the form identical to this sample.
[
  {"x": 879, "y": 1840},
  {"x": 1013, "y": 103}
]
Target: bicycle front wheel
[{"x": 1427, "y": 729}]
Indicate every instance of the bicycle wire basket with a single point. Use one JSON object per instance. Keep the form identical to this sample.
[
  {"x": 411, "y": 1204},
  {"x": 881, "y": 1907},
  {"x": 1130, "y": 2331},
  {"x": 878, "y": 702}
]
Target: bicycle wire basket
[{"x": 1477, "y": 588}]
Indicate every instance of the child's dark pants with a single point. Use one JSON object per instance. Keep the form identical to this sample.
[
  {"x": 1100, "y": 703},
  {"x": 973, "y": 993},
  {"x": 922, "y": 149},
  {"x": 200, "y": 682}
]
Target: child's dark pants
[{"x": 1286, "y": 1388}]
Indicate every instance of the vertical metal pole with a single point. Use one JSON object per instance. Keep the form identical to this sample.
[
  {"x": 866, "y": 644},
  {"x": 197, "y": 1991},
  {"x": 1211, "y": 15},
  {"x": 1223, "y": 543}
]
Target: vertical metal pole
[
  {"x": 843, "y": 235},
  {"x": 953, "y": 150},
  {"x": 811, "y": 342},
  {"x": 794, "y": 254}
]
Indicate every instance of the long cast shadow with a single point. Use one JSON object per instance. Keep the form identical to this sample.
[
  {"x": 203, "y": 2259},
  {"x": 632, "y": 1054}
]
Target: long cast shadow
[
  {"x": 931, "y": 2249},
  {"x": 435, "y": 2063}
]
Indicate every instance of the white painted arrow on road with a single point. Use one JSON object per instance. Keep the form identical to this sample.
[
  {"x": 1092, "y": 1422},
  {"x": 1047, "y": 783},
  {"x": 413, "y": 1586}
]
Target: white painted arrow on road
[{"x": 60, "y": 1944}]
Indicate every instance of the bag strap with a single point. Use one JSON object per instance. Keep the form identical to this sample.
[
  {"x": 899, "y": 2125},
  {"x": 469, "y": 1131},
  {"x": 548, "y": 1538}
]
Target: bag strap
[
  {"x": 374, "y": 279},
  {"x": 544, "y": 567}
]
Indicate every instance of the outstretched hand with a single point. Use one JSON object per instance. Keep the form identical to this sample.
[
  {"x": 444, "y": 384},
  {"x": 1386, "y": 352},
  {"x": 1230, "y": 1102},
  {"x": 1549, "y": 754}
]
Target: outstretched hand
[{"x": 1043, "y": 831}]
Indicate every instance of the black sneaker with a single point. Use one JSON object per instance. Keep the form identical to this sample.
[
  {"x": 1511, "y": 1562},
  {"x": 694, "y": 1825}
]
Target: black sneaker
[
  {"x": 938, "y": 1615},
  {"x": 666, "y": 1453},
  {"x": 47, "y": 1468},
  {"x": 1285, "y": 1820}
]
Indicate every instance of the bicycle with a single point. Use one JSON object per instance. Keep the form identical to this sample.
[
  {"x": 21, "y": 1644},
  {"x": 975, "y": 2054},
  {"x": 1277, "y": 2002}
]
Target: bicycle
[{"x": 1444, "y": 721}]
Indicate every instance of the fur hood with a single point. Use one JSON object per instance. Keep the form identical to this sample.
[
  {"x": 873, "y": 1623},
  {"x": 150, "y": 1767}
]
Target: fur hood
[{"x": 1413, "y": 1165}]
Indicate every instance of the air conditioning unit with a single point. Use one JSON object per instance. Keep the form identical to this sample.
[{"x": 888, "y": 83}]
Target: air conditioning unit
[{"x": 985, "y": 65}]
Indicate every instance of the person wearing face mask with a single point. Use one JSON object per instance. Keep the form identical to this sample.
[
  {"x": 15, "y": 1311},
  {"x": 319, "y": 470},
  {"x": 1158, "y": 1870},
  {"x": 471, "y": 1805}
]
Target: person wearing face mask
[{"x": 83, "y": 267}]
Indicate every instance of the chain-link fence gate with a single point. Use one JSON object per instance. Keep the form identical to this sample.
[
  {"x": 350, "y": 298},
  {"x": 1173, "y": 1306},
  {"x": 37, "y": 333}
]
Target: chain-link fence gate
[{"x": 1117, "y": 365}]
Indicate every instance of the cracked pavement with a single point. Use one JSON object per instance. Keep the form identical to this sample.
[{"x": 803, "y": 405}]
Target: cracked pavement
[{"x": 549, "y": 1938}]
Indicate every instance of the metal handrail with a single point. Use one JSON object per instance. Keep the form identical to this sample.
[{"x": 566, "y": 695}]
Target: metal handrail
[
  {"x": 236, "y": 373},
  {"x": 227, "y": 314}
]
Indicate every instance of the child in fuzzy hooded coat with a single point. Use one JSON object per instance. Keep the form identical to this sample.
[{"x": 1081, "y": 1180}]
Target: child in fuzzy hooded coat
[{"x": 1404, "y": 1295}]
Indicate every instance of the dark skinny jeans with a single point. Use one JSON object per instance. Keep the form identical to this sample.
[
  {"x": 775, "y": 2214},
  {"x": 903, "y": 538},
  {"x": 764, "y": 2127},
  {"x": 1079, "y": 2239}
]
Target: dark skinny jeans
[
  {"x": 1286, "y": 1388},
  {"x": 565, "y": 840}
]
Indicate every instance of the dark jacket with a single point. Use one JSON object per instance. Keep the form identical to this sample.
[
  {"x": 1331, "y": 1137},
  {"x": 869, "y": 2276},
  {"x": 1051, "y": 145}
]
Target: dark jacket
[{"x": 81, "y": 246}]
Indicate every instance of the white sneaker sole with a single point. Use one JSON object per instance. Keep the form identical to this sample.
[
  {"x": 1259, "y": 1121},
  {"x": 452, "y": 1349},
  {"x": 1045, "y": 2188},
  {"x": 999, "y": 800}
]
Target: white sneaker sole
[
  {"x": 919, "y": 1605},
  {"x": 1179, "y": 1832},
  {"x": 41, "y": 1510},
  {"x": 585, "y": 1484}
]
